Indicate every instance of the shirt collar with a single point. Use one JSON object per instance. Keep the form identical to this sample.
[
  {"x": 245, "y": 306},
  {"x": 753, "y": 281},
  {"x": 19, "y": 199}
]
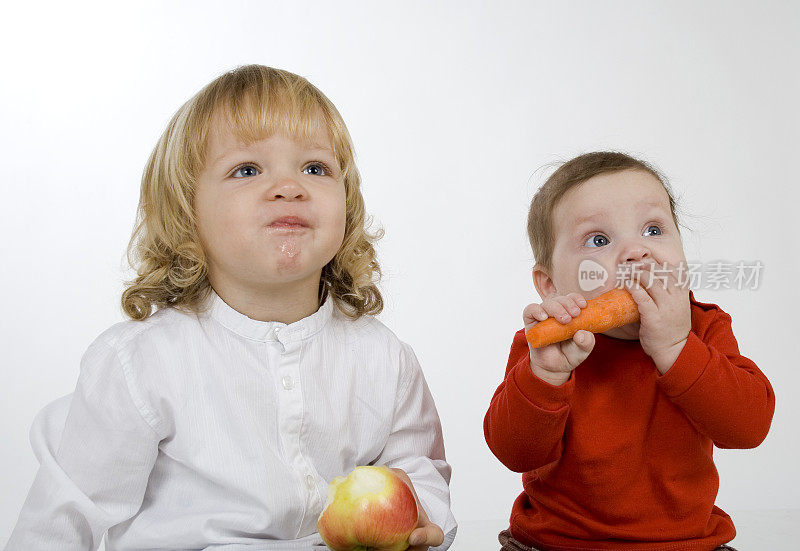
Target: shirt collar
[{"x": 269, "y": 330}]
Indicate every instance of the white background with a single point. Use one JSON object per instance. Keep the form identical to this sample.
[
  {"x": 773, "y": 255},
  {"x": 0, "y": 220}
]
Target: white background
[{"x": 452, "y": 106}]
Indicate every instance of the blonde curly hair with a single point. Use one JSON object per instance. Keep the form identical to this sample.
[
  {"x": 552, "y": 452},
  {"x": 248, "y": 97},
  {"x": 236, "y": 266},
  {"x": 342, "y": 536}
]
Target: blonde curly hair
[{"x": 165, "y": 249}]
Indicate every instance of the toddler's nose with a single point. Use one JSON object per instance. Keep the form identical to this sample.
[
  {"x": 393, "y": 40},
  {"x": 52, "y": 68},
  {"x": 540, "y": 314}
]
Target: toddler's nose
[{"x": 287, "y": 189}]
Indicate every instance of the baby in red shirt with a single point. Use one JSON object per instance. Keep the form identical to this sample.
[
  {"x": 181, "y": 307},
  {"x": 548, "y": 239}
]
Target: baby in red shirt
[{"x": 614, "y": 431}]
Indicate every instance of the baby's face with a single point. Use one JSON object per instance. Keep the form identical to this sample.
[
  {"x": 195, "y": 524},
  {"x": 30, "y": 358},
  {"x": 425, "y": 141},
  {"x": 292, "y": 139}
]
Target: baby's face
[
  {"x": 613, "y": 220},
  {"x": 242, "y": 191}
]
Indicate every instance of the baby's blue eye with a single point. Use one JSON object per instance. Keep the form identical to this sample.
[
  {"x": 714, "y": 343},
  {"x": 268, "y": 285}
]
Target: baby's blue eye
[
  {"x": 599, "y": 239},
  {"x": 316, "y": 169},
  {"x": 243, "y": 167},
  {"x": 594, "y": 239}
]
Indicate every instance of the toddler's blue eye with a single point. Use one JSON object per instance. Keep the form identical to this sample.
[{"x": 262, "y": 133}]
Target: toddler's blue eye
[
  {"x": 317, "y": 169},
  {"x": 244, "y": 167},
  {"x": 599, "y": 242},
  {"x": 656, "y": 227}
]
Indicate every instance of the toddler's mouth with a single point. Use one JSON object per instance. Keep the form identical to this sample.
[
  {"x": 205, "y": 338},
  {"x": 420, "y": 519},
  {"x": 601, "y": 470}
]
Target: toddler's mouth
[
  {"x": 288, "y": 226},
  {"x": 289, "y": 221}
]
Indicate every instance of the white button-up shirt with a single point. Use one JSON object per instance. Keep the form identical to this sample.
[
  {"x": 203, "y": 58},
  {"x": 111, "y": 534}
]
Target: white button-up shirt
[{"x": 217, "y": 431}]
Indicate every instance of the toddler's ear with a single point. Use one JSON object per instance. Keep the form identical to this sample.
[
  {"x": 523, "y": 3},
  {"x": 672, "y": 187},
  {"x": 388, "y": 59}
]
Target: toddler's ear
[{"x": 544, "y": 285}]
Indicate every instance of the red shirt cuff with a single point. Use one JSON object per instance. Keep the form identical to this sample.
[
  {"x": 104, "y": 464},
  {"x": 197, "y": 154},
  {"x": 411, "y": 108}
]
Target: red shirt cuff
[
  {"x": 537, "y": 391},
  {"x": 688, "y": 367}
]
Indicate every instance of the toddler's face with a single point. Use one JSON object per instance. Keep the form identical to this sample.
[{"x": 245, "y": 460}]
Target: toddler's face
[
  {"x": 612, "y": 220},
  {"x": 242, "y": 191}
]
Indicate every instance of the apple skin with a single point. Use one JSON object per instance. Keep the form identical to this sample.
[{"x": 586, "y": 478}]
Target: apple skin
[{"x": 372, "y": 508}]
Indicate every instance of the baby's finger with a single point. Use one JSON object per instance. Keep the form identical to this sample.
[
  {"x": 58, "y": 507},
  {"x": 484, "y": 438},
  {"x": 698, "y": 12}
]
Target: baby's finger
[
  {"x": 571, "y": 304},
  {"x": 533, "y": 313},
  {"x": 584, "y": 339},
  {"x": 639, "y": 271},
  {"x": 556, "y": 309},
  {"x": 677, "y": 279},
  {"x": 578, "y": 347},
  {"x": 579, "y": 299},
  {"x": 644, "y": 302}
]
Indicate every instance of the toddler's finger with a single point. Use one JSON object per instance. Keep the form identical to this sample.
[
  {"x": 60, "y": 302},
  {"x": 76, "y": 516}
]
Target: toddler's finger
[{"x": 426, "y": 536}]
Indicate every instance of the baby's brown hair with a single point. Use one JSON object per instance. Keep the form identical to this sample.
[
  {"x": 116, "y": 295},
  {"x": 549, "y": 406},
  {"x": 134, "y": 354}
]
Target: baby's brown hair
[{"x": 568, "y": 175}]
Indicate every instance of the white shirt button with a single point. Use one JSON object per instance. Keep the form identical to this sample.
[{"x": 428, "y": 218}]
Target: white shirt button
[
  {"x": 275, "y": 333},
  {"x": 310, "y": 482},
  {"x": 288, "y": 383}
]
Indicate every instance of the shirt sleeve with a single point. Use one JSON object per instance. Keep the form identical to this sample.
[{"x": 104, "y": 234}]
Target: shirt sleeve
[
  {"x": 96, "y": 451},
  {"x": 524, "y": 425},
  {"x": 416, "y": 445},
  {"x": 724, "y": 394}
]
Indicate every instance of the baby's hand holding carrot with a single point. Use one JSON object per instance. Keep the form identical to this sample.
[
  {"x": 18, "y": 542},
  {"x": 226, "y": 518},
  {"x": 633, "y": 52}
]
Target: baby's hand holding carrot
[
  {"x": 661, "y": 308},
  {"x": 614, "y": 308},
  {"x": 666, "y": 317},
  {"x": 554, "y": 362}
]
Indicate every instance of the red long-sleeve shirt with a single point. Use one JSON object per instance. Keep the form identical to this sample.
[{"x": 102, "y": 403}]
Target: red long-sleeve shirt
[{"x": 619, "y": 456}]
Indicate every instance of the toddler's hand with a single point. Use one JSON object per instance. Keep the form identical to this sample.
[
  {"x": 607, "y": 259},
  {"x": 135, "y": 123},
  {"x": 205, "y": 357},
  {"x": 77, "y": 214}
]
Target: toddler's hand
[
  {"x": 553, "y": 363},
  {"x": 426, "y": 534}
]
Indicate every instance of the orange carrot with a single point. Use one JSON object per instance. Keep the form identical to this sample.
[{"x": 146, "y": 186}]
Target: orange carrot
[{"x": 613, "y": 308}]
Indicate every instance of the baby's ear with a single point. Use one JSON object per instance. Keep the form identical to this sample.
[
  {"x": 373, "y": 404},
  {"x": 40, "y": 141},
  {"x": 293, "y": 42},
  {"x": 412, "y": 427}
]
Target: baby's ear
[{"x": 544, "y": 285}]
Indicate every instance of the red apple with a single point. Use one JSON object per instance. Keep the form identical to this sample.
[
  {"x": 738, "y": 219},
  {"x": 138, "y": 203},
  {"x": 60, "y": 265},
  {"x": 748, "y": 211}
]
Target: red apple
[{"x": 371, "y": 508}]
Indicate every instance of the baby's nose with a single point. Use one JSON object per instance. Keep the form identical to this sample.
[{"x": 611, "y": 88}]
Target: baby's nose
[{"x": 638, "y": 255}]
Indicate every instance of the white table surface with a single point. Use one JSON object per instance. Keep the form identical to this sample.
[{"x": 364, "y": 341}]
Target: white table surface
[{"x": 777, "y": 530}]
